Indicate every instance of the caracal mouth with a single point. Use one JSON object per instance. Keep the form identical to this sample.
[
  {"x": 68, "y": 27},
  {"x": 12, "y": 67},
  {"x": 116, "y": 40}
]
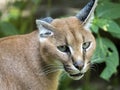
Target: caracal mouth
[
  {"x": 77, "y": 76},
  {"x": 75, "y": 73}
]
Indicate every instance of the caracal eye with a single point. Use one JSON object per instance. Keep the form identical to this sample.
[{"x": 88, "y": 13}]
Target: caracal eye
[
  {"x": 63, "y": 48},
  {"x": 86, "y": 45}
]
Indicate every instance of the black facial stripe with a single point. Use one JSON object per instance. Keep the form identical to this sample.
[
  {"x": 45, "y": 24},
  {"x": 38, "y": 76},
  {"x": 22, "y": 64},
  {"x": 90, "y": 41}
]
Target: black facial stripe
[
  {"x": 84, "y": 54},
  {"x": 83, "y": 38}
]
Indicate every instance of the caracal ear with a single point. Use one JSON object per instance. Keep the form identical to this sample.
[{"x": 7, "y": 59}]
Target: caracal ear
[
  {"x": 86, "y": 15},
  {"x": 45, "y": 29}
]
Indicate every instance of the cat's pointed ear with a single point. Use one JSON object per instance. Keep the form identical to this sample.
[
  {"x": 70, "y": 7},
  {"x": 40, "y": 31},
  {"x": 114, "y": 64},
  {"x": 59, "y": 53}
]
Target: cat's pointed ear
[
  {"x": 87, "y": 13},
  {"x": 45, "y": 28}
]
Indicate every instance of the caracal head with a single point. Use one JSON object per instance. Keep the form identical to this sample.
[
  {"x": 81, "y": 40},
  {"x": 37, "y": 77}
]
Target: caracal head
[{"x": 67, "y": 41}]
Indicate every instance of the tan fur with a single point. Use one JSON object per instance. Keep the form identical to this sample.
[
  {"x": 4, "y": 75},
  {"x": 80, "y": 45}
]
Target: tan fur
[{"x": 23, "y": 57}]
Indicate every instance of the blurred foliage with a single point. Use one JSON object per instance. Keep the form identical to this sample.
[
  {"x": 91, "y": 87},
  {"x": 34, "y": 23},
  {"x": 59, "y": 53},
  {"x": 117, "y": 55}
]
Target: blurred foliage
[
  {"x": 19, "y": 19},
  {"x": 105, "y": 16}
]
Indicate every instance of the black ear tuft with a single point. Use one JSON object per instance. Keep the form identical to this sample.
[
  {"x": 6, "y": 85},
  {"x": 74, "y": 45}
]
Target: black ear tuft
[
  {"x": 47, "y": 19},
  {"x": 87, "y": 10}
]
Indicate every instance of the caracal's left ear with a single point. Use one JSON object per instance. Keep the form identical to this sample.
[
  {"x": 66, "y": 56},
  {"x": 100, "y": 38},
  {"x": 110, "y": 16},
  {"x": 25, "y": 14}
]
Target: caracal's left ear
[
  {"x": 44, "y": 27},
  {"x": 86, "y": 15}
]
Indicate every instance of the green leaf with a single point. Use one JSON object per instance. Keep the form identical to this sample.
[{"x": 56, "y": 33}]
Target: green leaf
[
  {"x": 106, "y": 52},
  {"x": 7, "y": 28},
  {"x": 98, "y": 56},
  {"x": 108, "y": 10},
  {"x": 94, "y": 28},
  {"x": 100, "y": 52},
  {"x": 109, "y": 26},
  {"x": 111, "y": 60}
]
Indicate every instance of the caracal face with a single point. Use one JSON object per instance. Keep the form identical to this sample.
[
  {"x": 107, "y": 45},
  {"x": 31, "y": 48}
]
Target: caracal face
[{"x": 67, "y": 42}]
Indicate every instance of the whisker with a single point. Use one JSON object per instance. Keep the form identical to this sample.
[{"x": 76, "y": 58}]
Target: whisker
[
  {"x": 49, "y": 71},
  {"x": 44, "y": 70},
  {"x": 94, "y": 67},
  {"x": 52, "y": 67}
]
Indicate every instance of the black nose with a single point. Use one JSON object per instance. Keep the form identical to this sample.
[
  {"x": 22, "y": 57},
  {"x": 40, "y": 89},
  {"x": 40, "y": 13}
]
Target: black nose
[{"x": 79, "y": 64}]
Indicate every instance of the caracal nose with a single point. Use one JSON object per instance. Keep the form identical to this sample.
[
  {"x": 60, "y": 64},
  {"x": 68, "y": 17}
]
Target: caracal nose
[{"x": 79, "y": 64}]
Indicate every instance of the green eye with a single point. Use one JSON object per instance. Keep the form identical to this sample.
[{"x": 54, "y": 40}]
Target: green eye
[
  {"x": 86, "y": 45},
  {"x": 63, "y": 48}
]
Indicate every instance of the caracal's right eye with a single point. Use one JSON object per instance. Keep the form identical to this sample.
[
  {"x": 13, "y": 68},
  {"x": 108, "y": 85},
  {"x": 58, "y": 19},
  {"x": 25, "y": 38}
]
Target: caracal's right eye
[{"x": 63, "y": 48}]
